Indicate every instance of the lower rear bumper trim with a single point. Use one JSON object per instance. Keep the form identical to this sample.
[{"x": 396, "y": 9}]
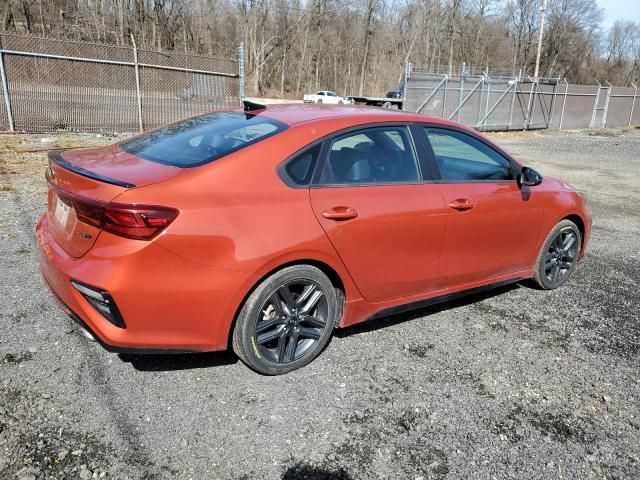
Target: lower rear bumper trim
[{"x": 87, "y": 331}]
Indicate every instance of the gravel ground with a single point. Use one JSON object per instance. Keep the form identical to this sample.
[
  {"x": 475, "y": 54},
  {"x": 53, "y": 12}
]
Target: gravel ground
[{"x": 517, "y": 383}]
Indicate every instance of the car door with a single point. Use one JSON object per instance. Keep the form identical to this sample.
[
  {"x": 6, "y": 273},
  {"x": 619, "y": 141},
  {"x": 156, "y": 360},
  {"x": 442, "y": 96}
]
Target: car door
[
  {"x": 492, "y": 224},
  {"x": 386, "y": 224}
]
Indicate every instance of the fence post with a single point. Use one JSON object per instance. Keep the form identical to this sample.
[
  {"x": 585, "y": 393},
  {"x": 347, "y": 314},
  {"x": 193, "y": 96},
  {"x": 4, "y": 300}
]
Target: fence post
[
  {"x": 406, "y": 80},
  {"x": 444, "y": 98},
  {"x": 553, "y": 104},
  {"x": 486, "y": 105},
  {"x": 633, "y": 102},
  {"x": 595, "y": 106},
  {"x": 513, "y": 99},
  {"x": 479, "y": 107},
  {"x": 564, "y": 102},
  {"x": 606, "y": 107},
  {"x": 241, "y": 70},
  {"x": 137, "y": 70},
  {"x": 461, "y": 96},
  {"x": 5, "y": 91}
]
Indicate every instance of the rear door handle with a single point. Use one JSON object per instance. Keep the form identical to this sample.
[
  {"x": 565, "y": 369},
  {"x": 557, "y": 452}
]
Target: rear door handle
[
  {"x": 462, "y": 204},
  {"x": 340, "y": 213}
]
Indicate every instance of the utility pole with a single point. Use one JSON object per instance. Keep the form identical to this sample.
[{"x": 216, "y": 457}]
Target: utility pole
[{"x": 542, "y": 12}]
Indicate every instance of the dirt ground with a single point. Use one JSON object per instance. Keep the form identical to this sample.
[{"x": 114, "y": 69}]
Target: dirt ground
[{"x": 517, "y": 383}]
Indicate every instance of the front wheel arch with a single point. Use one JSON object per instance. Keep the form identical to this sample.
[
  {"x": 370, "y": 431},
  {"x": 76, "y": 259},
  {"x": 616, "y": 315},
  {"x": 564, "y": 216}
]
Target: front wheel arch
[{"x": 577, "y": 219}]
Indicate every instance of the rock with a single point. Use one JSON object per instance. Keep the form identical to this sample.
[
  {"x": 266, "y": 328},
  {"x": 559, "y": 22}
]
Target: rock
[
  {"x": 62, "y": 454},
  {"x": 85, "y": 474},
  {"x": 77, "y": 453},
  {"x": 606, "y": 398}
]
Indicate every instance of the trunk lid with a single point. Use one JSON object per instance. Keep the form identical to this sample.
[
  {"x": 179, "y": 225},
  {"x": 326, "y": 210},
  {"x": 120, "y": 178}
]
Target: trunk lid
[{"x": 98, "y": 175}]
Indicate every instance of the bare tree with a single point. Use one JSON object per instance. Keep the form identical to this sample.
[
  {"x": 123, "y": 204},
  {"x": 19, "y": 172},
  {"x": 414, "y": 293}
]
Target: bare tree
[{"x": 359, "y": 46}]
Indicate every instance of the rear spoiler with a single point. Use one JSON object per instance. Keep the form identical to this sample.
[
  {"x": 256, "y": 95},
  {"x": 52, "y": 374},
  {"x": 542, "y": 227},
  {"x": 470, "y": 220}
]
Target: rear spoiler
[
  {"x": 252, "y": 106},
  {"x": 56, "y": 157}
]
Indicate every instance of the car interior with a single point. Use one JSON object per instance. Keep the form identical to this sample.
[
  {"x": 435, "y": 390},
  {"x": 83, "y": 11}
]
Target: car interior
[{"x": 375, "y": 159}]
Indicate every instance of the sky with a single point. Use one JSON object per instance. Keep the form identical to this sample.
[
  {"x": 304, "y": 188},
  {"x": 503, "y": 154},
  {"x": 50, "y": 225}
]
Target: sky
[{"x": 619, "y": 9}]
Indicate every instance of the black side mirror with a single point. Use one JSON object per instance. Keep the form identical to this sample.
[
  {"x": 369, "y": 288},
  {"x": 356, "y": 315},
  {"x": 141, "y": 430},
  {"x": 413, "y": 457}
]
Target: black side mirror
[{"x": 528, "y": 176}]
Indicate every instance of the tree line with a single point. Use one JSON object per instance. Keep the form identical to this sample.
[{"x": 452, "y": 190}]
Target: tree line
[{"x": 351, "y": 46}]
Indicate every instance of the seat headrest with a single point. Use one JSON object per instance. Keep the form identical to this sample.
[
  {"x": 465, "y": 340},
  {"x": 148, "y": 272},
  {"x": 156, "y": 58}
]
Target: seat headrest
[
  {"x": 349, "y": 166},
  {"x": 359, "y": 171}
]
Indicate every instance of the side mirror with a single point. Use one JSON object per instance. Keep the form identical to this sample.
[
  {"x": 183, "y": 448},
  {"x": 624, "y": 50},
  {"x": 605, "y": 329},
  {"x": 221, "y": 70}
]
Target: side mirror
[{"x": 528, "y": 176}]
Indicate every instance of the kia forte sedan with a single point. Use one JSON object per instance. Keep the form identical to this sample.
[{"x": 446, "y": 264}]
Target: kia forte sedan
[{"x": 263, "y": 230}]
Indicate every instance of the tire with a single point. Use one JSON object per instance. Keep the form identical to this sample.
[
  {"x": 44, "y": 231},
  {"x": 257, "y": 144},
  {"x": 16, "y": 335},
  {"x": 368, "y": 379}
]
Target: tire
[
  {"x": 319, "y": 100},
  {"x": 340, "y": 102},
  {"x": 286, "y": 321},
  {"x": 386, "y": 105},
  {"x": 558, "y": 256}
]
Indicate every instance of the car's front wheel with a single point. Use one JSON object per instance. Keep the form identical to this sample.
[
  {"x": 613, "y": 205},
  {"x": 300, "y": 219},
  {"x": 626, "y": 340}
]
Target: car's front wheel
[
  {"x": 558, "y": 256},
  {"x": 287, "y": 320}
]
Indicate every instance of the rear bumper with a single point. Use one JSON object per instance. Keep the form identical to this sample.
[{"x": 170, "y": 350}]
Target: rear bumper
[
  {"x": 86, "y": 329},
  {"x": 169, "y": 304}
]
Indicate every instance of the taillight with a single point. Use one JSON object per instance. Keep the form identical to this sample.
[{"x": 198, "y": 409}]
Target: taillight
[{"x": 139, "y": 222}]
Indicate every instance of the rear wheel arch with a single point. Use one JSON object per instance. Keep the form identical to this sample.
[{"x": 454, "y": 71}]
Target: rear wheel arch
[{"x": 328, "y": 270}]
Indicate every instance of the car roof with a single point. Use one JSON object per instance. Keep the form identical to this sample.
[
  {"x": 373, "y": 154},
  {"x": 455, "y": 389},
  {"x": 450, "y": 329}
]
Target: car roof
[{"x": 295, "y": 113}]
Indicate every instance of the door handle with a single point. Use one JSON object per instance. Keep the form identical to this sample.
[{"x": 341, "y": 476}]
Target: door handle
[
  {"x": 462, "y": 204},
  {"x": 340, "y": 213}
]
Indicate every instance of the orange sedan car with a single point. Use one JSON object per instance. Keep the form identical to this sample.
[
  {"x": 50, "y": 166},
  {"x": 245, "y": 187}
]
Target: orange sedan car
[{"x": 267, "y": 228}]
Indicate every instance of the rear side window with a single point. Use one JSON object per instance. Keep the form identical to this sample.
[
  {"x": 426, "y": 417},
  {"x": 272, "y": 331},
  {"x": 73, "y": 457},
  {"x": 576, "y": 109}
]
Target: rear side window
[
  {"x": 299, "y": 169},
  {"x": 462, "y": 158},
  {"x": 202, "y": 139}
]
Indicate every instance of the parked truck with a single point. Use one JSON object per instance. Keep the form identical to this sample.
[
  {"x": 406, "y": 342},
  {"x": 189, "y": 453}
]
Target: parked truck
[{"x": 324, "y": 96}]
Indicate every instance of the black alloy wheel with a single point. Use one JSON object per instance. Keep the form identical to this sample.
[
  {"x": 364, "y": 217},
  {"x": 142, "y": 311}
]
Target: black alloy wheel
[
  {"x": 558, "y": 256},
  {"x": 561, "y": 255},
  {"x": 291, "y": 321},
  {"x": 287, "y": 320}
]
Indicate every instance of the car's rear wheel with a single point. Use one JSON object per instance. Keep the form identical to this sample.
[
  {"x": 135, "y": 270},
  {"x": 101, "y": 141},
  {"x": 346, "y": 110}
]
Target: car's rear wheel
[
  {"x": 558, "y": 256},
  {"x": 286, "y": 321}
]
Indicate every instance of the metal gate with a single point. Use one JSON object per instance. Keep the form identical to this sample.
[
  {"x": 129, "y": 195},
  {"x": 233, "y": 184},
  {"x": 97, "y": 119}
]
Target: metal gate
[{"x": 500, "y": 102}]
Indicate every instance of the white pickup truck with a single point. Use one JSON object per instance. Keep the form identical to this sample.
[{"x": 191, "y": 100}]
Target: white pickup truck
[{"x": 324, "y": 96}]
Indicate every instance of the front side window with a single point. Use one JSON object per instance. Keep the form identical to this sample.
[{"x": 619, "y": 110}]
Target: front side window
[
  {"x": 460, "y": 157},
  {"x": 201, "y": 139},
  {"x": 380, "y": 155}
]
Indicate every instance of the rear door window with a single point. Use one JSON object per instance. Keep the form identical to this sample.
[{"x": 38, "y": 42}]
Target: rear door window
[
  {"x": 379, "y": 155},
  {"x": 202, "y": 139}
]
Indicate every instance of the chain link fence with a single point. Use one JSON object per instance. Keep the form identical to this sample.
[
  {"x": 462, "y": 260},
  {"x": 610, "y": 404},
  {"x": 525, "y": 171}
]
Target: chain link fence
[
  {"x": 498, "y": 102},
  {"x": 50, "y": 85}
]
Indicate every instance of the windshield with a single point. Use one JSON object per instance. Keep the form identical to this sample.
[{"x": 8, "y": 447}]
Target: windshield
[{"x": 202, "y": 139}]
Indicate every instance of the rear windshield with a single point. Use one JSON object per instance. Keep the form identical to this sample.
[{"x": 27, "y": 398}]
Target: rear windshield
[{"x": 202, "y": 139}]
